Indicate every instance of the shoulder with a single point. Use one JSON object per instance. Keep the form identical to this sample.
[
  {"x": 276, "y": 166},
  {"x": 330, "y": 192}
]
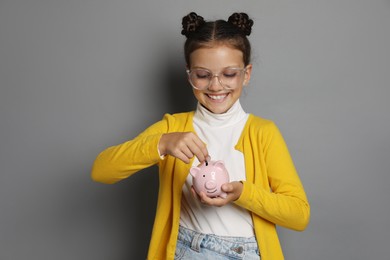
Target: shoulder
[
  {"x": 179, "y": 121},
  {"x": 258, "y": 123},
  {"x": 264, "y": 132},
  {"x": 179, "y": 117},
  {"x": 261, "y": 129}
]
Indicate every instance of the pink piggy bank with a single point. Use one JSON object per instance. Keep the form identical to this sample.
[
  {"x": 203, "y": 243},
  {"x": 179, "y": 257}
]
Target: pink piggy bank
[{"x": 209, "y": 177}]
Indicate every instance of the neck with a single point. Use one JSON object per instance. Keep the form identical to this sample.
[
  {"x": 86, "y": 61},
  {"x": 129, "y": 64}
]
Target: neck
[{"x": 231, "y": 116}]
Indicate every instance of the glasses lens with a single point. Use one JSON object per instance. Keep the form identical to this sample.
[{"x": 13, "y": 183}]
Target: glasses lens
[
  {"x": 199, "y": 78},
  {"x": 229, "y": 78}
]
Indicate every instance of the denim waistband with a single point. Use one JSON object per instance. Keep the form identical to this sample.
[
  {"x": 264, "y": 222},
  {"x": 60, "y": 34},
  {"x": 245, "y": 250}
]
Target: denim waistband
[{"x": 233, "y": 246}]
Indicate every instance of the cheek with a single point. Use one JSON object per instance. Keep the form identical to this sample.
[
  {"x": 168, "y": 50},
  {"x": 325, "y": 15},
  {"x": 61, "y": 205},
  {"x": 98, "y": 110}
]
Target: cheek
[
  {"x": 198, "y": 94},
  {"x": 238, "y": 91}
]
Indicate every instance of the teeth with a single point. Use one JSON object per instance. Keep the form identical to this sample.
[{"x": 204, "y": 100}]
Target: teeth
[{"x": 214, "y": 97}]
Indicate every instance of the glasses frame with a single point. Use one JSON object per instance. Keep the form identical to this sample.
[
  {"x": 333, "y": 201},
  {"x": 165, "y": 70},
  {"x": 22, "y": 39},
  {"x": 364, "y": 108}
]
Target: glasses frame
[{"x": 189, "y": 71}]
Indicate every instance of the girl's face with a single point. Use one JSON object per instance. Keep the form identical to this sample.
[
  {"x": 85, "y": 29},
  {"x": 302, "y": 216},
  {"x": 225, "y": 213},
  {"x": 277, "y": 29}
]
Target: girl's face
[{"x": 218, "y": 60}]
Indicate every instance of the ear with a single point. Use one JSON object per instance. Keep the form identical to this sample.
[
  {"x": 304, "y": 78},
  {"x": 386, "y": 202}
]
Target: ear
[
  {"x": 188, "y": 76},
  {"x": 194, "y": 171},
  {"x": 219, "y": 164},
  {"x": 248, "y": 73}
]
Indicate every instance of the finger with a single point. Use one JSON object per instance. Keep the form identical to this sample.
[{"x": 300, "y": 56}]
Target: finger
[
  {"x": 203, "y": 197},
  {"x": 217, "y": 202},
  {"x": 198, "y": 153},
  {"x": 227, "y": 187},
  {"x": 194, "y": 194},
  {"x": 208, "y": 158},
  {"x": 202, "y": 152},
  {"x": 182, "y": 157},
  {"x": 186, "y": 151}
]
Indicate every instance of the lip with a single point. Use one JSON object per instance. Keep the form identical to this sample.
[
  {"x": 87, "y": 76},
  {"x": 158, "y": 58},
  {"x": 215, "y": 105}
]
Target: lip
[
  {"x": 212, "y": 191},
  {"x": 218, "y": 98}
]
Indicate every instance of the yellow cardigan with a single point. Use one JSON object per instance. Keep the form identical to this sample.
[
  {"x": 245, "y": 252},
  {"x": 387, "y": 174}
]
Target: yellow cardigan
[{"x": 272, "y": 192}]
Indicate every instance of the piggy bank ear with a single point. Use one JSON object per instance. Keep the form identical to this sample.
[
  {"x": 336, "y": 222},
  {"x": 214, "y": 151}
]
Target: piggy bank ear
[
  {"x": 194, "y": 171},
  {"x": 220, "y": 164}
]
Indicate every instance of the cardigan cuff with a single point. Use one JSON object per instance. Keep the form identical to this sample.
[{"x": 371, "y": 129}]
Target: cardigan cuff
[{"x": 246, "y": 195}]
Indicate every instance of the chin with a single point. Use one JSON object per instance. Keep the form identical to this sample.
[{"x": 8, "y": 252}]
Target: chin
[{"x": 218, "y": 110}]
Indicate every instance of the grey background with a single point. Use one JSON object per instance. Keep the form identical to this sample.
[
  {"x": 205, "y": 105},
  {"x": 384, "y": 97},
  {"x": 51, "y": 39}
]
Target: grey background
[{"x": 78, "y": 76}]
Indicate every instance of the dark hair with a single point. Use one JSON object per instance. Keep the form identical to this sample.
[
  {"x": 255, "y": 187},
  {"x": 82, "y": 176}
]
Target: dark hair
[{"x": 232, "y": 32}]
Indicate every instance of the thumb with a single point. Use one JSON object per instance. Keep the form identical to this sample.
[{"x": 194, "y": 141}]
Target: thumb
[{"x": 227, "y": 187}]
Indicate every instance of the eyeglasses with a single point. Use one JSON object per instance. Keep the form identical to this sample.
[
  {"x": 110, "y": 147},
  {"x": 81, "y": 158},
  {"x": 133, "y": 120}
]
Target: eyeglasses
[{"x": 229, "y": 78}]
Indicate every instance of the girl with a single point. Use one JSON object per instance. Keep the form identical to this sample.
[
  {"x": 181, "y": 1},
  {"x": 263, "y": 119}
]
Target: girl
[{"x": 265, "y": 189}]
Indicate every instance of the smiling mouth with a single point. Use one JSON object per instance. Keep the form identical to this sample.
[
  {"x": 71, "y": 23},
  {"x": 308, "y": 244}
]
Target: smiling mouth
[{"x": 217, "y": 97}]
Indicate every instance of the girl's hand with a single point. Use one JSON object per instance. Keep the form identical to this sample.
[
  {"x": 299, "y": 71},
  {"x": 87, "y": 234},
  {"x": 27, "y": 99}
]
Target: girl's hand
[
  {"x": 184, "y": 146},
  {"x": 233, "y": 190}
]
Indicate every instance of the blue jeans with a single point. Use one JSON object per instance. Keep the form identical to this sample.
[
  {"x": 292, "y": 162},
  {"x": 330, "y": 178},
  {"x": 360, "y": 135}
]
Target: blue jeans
[{"x": 193, "y": 245}]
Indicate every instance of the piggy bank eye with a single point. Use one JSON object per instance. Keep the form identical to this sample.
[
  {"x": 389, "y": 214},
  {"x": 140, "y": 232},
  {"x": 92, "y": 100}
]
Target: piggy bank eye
[{"x": 204, "y": 175}]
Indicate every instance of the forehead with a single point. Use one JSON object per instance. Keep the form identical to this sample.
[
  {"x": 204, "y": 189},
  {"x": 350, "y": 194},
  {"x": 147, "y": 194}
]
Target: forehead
[{"x": 216, "y": 57}]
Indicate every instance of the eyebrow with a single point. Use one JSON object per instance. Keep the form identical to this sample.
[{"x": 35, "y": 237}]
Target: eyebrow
[{"x": 228, "y": 67}]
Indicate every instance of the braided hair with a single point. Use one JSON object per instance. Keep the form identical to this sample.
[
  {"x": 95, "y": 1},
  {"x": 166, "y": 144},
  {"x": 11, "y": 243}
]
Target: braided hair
[{"x": 201, "y": 33}]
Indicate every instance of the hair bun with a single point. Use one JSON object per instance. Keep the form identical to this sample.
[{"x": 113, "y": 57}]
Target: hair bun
[
  {"x": 242, "y": 21},
  {"x": 191, "y": 23}
]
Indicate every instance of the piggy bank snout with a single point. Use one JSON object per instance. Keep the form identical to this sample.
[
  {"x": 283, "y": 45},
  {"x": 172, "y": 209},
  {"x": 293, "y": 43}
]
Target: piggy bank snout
[{"x": 210, "y": 185}]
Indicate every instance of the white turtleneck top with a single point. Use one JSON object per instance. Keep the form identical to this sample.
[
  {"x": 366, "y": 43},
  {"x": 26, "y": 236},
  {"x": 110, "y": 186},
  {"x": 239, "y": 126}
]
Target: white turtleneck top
[{"x": 221, "y": 133}]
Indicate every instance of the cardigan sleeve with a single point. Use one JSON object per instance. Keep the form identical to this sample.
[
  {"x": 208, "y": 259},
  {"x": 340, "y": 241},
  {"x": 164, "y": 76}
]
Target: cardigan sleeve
[
  {"x": 283, "y": 201},
  {"x": 121, "y": 161}
]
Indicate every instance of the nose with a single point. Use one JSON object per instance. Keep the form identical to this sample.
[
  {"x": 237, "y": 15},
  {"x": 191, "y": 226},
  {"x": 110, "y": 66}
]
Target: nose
[
  {"x": 210, "y": 185},
  {"x": 215, "y": 83}
]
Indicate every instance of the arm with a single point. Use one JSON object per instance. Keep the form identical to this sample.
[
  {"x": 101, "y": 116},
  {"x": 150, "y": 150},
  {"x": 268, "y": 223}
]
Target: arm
[
  {"x": 119, "y": 162},
  {"x": 285, "y": 203}
]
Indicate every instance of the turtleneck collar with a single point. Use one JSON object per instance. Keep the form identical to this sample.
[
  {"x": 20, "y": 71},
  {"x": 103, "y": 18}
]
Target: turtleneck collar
[{"x": 230, "y": 117}]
